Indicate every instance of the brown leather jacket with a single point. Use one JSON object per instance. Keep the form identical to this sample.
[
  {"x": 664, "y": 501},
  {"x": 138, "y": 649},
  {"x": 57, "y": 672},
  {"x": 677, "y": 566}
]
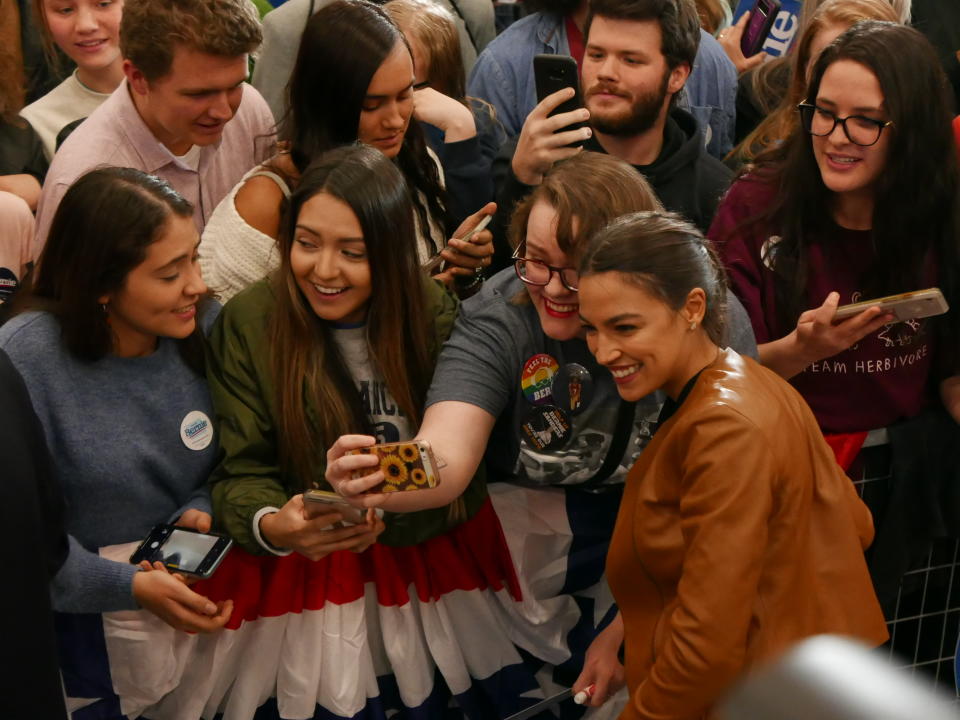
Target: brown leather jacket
[{"x": 738, "y": 535}]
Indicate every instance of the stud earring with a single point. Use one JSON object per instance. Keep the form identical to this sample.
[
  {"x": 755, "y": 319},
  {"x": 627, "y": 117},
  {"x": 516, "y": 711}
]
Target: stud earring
[
  {"x": 693, "y": 324},
  {"x": 103, "y": 307}
]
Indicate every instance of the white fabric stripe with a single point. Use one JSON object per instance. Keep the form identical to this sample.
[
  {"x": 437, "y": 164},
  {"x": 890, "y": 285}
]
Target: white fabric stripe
[
  {"x": 538, "y": 534},
  {"x": 330, "y": 657}
]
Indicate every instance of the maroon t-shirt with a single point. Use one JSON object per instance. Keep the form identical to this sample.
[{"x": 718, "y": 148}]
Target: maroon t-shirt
[{"x": 883, "y": 378}]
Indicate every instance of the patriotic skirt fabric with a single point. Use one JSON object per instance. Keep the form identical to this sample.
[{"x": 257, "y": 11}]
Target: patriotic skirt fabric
[{"x": 445, "y": 629}]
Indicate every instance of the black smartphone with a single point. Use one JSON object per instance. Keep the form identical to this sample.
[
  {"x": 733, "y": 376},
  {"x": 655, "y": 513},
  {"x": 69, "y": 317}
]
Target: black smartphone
[
  {"x": 762, "y": 17},
  {"x": 555, "y": 72},
  {"x": 183, "y": 550}
]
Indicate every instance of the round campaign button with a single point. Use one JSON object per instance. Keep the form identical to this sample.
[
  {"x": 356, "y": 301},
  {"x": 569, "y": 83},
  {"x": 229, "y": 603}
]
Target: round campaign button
[
  {"x": 196, "y": 430},
  {"x": 536, "y": 377},
  {"x": 572, "y": 388},
  {"x": 8, "y": 284},
  {"x": 546, "y": 428}
]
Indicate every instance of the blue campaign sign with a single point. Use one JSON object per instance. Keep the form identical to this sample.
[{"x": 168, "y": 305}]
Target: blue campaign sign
[{"x": 784, "y": 29}]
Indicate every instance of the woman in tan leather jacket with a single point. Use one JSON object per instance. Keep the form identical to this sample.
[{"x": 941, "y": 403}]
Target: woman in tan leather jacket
[{"x": 738, "y": 533}]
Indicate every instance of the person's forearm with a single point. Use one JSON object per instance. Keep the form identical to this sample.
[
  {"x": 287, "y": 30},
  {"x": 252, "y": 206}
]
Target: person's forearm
[
  {"x": 783, "y": 356},
  {"x": 88, "y": 583},
  {"x": 24, "y": 186}
]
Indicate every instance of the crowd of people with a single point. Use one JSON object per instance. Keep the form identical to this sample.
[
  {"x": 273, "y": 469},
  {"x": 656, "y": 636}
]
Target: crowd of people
[{"x": 654, "y": 456}]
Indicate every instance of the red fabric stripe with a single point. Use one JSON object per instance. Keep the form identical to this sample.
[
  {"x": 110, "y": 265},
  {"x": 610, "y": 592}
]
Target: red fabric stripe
[
  {"x": 845, "y": 447},
  {"x": 472, "y": 556}
]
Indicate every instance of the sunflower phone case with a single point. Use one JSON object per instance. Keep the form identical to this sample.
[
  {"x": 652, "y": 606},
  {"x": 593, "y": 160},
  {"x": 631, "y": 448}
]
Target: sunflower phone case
[{"x": 405, "y": 465}]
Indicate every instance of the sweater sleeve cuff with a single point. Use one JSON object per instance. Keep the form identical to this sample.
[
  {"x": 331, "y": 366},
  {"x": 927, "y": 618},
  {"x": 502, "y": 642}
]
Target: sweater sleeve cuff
[
  {"x": 88, "y": 583},
  {"x": 462, "y": 152},
  {"x": 261, "y": 540}
]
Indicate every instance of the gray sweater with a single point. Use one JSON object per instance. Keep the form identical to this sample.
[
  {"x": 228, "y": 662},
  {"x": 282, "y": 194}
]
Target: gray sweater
[{"x": 119, "y": 445}]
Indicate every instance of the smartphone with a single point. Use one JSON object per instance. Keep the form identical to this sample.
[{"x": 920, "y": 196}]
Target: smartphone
[
  {"x": 438, "y": 259},
  {"x": 183, "y": 550},
  {"x": 324, "y": 499},
  {"x": 762, "y": 16},
  {"x": 405, "y": 465},
  {"x": 906, "y": 306},
  {"x": 555, "y": 72}
]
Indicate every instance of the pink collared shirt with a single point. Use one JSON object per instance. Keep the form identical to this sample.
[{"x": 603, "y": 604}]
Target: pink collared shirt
[{"x": 115, "y": 135}]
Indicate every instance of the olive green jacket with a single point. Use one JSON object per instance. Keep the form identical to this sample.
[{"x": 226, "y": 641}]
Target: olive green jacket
[{"x": 248, "y": 477}]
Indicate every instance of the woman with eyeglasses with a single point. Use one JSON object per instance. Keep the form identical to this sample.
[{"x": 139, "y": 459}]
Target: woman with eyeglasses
[
  {"x": 517, "y": 387},
  {"x": 859, "y": 203}
]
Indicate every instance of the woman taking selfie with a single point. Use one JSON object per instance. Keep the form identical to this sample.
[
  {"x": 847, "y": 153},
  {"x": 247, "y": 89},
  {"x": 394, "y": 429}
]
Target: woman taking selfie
[
  {"x": 343, "y": 92},
  {"x": 738, "y": 534},
  {"x": 110, "y": 346},
  {"x": 517, "y": 387}
]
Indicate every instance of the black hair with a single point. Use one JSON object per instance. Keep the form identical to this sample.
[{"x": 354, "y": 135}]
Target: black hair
[
  {"x": 101, "y": 231},
  {"x": 343, "y": 45},
  {"x": 666, "y": 256}
]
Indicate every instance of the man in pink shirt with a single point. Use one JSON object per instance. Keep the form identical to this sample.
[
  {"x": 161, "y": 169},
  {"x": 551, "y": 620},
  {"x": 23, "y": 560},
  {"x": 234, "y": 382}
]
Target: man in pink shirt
[{"x": 184, "y": 112}]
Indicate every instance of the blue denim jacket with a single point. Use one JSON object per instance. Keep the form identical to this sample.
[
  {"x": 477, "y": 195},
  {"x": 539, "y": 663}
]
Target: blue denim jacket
[{"x": 503, "y": 76}]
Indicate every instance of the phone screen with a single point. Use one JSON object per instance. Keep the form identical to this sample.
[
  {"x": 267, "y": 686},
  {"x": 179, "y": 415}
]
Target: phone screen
[
  {"x": 758, "y": 21},
  {"x": 185, "y": 550}
]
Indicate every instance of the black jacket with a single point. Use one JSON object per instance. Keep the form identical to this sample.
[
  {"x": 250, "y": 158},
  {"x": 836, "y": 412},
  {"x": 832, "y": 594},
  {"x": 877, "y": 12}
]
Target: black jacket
[
  {"x": 686, "y": 179},
  {"x": 34, "y": 547}
]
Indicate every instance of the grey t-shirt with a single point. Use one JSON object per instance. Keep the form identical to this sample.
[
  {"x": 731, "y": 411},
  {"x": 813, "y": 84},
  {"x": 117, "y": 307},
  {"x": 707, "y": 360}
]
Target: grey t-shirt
[
  {"x": 499, "y": 359},
  {"x": 389, "y": 423}
]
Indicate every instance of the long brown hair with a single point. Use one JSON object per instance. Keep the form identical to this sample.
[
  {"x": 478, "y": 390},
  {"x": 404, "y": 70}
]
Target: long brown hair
[
  {"x": 778, "y": 125},
  {"x": 316, "y": 399}
]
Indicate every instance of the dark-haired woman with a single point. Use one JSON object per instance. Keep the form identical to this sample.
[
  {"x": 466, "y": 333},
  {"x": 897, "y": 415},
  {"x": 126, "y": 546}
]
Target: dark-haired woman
[
  {"x": 354, "y": 81},
  {"x": 399, "y": 614},
  {"x": 738, "y": 535},
  {"x": 862, "y": 203},
  {"x": 109, "y": 344}
]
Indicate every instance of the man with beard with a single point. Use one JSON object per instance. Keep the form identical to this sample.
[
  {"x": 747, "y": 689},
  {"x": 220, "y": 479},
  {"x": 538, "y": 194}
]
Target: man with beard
[
  {"x": 638, "y": 55},
  {"x": 503, "y": 74}
]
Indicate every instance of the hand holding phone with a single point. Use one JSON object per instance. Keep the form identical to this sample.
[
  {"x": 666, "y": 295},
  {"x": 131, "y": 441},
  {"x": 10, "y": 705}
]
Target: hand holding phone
[
  {"x": 730, "y": 40},
  {"x": 320, "y": 502},
  {"x": 817, "y": 336},
  {"x": 905, "y": 306},
  {"x": 440, "y": 258},
  {"x": 557, "y": 72},
  {"x": 547, "y": 137},
  {"x": 172, "y": 601},
  {"x": 405, "y": 466},
  {"x": 359, "y": 470},
  {"x": 298, "y": 527}
]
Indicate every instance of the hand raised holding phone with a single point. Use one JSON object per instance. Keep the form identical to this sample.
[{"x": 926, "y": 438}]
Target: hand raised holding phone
[
  {"x": 366, "y": 475},
  {"x": 731, "y": 40},
  {"x": 544, "y": 141}
]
